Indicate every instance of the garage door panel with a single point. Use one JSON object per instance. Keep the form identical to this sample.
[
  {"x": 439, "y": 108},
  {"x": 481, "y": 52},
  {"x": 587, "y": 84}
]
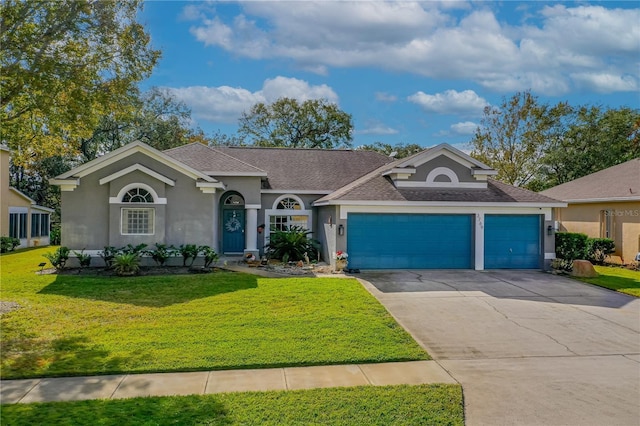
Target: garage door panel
[
  {"x": 512, "y": 241},
  {"x": 409, "y": 241}
]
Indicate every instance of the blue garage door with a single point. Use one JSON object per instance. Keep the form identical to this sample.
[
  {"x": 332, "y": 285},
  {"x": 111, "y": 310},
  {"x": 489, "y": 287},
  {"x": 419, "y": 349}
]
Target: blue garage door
[
  {"x": 512, "y": 242},
  {"x": 409, "y": 241}
]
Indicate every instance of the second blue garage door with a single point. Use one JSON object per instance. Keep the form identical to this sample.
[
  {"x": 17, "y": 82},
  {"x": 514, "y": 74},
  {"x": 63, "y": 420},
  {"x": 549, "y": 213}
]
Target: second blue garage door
[
  {"x": 410, "y": 241},
  {"x": 512, "y": 241}
]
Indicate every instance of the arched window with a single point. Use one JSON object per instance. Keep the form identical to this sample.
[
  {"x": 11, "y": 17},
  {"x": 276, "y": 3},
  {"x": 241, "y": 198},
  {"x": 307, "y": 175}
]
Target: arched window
[
  {"x": 137, "y": 195},
  {"x": 288, "y": 212},
  {"x": 138, "y": 220},
  {"x": 289, "y": 203}
]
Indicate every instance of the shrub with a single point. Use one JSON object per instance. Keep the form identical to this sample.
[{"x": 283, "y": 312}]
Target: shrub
[
  {"x": 55, "y": 235},
  {"x": 571, "y": 245},
  {"x": 161, "y": 254},
  {"x": 126, "y": 264},
  {"x": 84, "y": 259},
  {"x": 599, "y": 248},
  {"x": 8, "y": 244},
  {"x": 209, "y": 254},
  {"x": 59, "y": 257},
  {"x": 292, "y": 244},
  {"x": 108, "y": 254},
  {"x": 188, "y": 251},
  {"x": 131, "y": 249}
]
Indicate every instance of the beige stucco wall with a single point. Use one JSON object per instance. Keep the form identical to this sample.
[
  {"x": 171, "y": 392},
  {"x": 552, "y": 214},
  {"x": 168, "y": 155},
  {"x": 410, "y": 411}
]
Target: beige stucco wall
[
  {"x": 4, "y": 192},
  {"x": 585, "y": 218}
]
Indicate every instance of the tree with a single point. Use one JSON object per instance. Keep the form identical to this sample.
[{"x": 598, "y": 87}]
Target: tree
[
  {"x": 594, "y": 140},
  {"x": 288, "y": 123},
  {"x": 400, "y": 150},
  {"x": 65, "y": 65},
  {"x": 156, "y": 118},
  {"x": 514, "y": 137}
]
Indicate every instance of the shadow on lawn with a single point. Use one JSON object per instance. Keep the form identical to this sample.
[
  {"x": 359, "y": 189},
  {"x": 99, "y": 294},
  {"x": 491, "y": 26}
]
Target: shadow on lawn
[
  {"x": 29, "y": 356},
  {"x": 152, "y": 291}
]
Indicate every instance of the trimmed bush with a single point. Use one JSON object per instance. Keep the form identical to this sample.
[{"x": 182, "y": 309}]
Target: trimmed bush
[
  {"x": 8, "y": 244},
  {"x": 571, "y": 246},
  {"x": 599, "y": 248}
]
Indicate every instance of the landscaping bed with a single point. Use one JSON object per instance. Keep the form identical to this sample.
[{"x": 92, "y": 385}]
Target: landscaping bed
[{"x": 83, "y": 325}]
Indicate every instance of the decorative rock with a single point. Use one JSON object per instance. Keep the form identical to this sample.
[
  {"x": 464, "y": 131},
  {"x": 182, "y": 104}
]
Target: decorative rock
[{"x": 583, "y": 269}]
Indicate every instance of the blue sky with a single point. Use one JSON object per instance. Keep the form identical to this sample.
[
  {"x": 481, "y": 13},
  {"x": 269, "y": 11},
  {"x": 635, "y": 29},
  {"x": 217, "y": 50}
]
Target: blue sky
[{"x": 408, "y": 72}]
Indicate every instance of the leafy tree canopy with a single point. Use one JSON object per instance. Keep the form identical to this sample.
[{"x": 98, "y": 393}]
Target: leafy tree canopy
[
  {"x": 288, "y": 123},
  {"x": 64, "y": 65},
  {"x": 399, "y": 150}
]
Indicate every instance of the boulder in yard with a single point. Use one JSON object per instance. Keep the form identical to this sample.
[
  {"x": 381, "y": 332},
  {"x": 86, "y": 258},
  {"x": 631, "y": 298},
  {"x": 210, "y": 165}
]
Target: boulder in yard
[{"x": 583, "y": 269}]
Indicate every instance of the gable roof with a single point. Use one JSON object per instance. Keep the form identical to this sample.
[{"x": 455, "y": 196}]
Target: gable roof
[
  {"x": 617, "y": 183},
  {"x": 124, "y": 151},
  {"x": 291, "y": 169},
  {"x": 212, "y": 161},
  {"x": 376, "y": 187}
]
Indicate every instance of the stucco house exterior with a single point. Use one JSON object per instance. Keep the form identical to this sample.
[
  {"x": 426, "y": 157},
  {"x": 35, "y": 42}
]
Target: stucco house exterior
[
  {"x": 436, "y": 209},
  {"x": 20, "y": 216},
  {"x": 605, "y": 204}
]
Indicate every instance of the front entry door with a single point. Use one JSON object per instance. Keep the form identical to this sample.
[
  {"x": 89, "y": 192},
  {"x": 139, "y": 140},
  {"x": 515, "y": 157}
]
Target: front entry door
[{"x": 233, "y": 230}]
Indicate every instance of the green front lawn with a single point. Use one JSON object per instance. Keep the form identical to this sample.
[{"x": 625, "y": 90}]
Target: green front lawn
[
  {"x": 388, "y": 405},
  {"x": 619, "y": 279},
  {"x": 83, "y": 325}
]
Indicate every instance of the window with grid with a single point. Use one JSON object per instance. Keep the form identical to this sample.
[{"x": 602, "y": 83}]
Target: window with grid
[
  {"x": 137, "y": 195},
  {"x": 138, "y": 221},
  {"x": 286, "y": 222}
]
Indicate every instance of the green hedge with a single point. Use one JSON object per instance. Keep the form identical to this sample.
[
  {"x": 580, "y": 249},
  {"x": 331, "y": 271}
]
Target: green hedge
[{"x": 571, "y": 246}]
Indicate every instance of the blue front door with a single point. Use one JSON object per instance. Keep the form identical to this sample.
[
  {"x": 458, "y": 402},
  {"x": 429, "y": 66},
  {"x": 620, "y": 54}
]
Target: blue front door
[
  {"x": 512, "y": 241},
  {"x": 411, "y": 241},
  {"x": 233, "y": 230}
]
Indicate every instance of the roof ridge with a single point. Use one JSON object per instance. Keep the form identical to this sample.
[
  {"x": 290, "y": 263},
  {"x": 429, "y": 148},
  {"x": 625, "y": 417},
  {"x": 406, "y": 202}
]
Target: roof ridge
[
  {"x": 237, "y": 159},
  {"x": 343, "y": 190}
]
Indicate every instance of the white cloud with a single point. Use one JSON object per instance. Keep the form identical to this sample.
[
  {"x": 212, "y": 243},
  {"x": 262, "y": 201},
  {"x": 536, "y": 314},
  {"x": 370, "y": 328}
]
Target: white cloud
[
  {"x": 226, "y": 104},
  {"x": 464, "y": 128},
  {"x": 385, "y": 97},
  {"x": 606, "y": 83},
  {"x": 438, "y": 40},
  {"x": 280, "y": 87},
  {"x": 375, "y": 128},
  {"x": 466, "y": 102}
]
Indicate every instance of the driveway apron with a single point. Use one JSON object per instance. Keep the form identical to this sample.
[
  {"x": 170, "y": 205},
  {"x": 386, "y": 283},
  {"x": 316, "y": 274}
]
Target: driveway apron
[{"x": 528, "y": 347}]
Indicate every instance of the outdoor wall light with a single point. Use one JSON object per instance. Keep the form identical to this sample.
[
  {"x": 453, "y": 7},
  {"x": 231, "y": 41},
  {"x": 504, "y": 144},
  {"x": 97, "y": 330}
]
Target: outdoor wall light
[
  {"x": 549, "y": 230},
  {"x": 340, "y": 229}
]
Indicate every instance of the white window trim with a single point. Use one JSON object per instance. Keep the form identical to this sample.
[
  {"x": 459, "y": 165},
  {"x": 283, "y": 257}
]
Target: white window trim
[
  {"x": 133, "y": 207},
  {"x": 286, "y": 212},
  {"x": 118, "y": 199},
  {"x": 282, "y": 197}
]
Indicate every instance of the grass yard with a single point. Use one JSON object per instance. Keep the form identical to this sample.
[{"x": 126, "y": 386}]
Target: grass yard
[
  {"x": 619, "y": 279},
  {"x": 83, "y": 325},
  {"x": 370, "y": 405}
]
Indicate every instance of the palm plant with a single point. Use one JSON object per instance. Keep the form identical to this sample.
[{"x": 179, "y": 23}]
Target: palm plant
[
  {"x": 126, "y": 264},
  {"x": 292, "y": 244}
]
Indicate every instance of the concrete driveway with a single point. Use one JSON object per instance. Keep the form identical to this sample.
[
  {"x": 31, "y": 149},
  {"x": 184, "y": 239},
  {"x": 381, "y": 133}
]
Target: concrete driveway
[{"x": 528, "y": 347}]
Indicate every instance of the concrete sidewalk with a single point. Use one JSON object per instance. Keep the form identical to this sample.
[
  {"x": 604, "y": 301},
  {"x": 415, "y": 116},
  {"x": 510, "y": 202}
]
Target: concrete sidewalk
[{"x": 207, "y": 382}]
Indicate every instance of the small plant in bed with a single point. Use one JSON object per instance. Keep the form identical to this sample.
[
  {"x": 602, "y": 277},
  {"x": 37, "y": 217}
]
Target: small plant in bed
[{"x": 126, "y": 264}]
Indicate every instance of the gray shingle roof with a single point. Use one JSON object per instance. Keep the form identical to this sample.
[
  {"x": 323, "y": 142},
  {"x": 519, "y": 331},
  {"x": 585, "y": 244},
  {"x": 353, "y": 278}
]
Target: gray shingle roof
[
  {"x": 309, "y": 169},
  {"x": 621, "y": 181},
  {"x": 211, "y": 160}
]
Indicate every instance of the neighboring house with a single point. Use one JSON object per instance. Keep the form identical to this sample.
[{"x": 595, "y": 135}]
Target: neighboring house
[
  {"x": 435, "y": 209},
  {"x": 20, "y": 216},
  {"x": 604, "y": 204}
]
